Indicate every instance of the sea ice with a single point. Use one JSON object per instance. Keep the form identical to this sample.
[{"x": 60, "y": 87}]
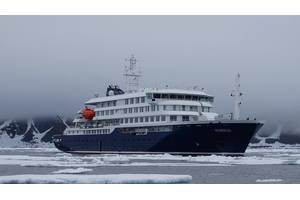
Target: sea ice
[
  {"x": 79, "y": 170},
  {"x": 110, "y": 178},
  {"x": 268, "y": 180}
]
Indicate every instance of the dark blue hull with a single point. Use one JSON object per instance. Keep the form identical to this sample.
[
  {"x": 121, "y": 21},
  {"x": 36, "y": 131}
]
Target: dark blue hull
[{"x": 207, "y": 138}]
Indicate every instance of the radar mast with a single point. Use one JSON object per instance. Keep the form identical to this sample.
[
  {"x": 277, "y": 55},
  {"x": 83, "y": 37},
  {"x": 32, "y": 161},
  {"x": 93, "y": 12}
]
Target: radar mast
[{"x": 132, "y": 75}]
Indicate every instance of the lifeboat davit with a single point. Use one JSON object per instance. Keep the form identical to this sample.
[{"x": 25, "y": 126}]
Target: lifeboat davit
[{"x": 88, "y": 113}]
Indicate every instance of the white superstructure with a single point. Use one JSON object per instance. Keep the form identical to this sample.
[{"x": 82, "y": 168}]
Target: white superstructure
[{"x": 145, "y": 107}]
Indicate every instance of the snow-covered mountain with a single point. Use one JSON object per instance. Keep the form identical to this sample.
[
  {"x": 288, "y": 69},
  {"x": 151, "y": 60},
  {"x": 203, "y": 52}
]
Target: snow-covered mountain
[{"x": 36, "y": 132}]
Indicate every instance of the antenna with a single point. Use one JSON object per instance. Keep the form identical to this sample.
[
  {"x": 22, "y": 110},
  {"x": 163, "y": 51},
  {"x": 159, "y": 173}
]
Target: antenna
[
  {"x": 132, "y": 75},
  {"x": 237, "y": 98}
]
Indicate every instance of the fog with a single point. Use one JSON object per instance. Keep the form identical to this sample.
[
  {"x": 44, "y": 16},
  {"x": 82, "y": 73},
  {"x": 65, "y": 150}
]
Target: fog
[{"x": 53, "y": 64}]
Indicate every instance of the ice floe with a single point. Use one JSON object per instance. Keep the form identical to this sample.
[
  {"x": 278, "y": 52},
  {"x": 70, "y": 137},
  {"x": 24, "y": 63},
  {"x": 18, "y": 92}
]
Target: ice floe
[
  {"x": 110, "y": 178},
  {"x": 268, "y": 180},
  {"x": 79, "y": 170}
]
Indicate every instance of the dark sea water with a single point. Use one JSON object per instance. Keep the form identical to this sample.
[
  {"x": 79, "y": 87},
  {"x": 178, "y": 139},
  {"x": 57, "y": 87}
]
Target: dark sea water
[{"x": 258, "y": 165}]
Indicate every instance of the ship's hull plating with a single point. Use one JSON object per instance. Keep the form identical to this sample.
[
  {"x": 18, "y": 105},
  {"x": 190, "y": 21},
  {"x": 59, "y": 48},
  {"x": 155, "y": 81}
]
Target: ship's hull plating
[{"x": 204, "y": 138}]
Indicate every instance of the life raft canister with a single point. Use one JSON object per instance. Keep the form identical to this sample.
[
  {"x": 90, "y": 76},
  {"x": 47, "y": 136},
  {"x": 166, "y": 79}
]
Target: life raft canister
[{"x": 88, "y": 113}]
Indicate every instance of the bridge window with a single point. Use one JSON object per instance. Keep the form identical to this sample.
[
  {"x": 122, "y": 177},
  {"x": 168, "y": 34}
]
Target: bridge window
[
  {"x": 188, "y": 97},
  {"x": 164, "y": 96},
  {"x": 173, "y": 96},
  {"x": 173, "y": 118},
  {"x": 185, "y": 118},
  {"x": 157, "y": 96}
]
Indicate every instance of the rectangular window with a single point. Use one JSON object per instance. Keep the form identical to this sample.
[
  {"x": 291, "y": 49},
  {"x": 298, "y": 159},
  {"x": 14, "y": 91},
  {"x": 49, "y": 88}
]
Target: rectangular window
[
  {"x": 164, "y": 96},
  {"x": 126, "y": 101},
  {"x": 174, "y": 107},
  {"x": 147, "y": 108},
  {"x": 106, "y": 112},
  {"x": 131, "y": 101},
  {"x": 137, "y": 100},
  {"x": 136, "y": 110},
  {"x": 146, "y": 119},
  {"x": 152, "y": 108},
  {"x": 141, "y": 109},
  {"x": 156, "y": 96},
  {"x": 121, "y": 121},
  {"x": 141, "y": 119},
  {"x": 112, "y": 112},
  {"x": 180, "y": 97},
  {"x": 157, "y": 118},
  {"x": 173, "y": 118},
  {"x": 202, "y": 109},
  {"x": 157, "y": 108},
  {"x": 131, "y": 120},
  {"x": 114, "y": 103},
  {"x": 185, "y": 118},
  {"x": 126, "y": 120},
  {"x": 152, "y": 118},
  {"x": 102, "y": 113},
  {"x": 125, "y": 110},
  {"x": 183, "y": 108},
  {"x": 143, "y": 100},
  {"x": 136, "y": 120},
  {"x": 130, "y": 110},
  {"x": 163, "y": 118},
  {"x": 165, "y": 107}
]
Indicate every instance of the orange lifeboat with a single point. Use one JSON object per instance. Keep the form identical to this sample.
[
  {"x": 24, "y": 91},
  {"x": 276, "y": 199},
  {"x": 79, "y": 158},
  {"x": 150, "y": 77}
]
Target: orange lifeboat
[{"x": 88, "y": 113}]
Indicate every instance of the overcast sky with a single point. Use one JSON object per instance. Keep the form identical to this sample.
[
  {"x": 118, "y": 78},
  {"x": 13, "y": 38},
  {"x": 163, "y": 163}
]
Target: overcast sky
[{"x": 52, "y": 64}]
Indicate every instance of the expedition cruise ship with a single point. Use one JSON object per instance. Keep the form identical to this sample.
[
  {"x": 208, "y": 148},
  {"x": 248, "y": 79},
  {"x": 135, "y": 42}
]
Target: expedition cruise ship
[{"x": 174, "y": 121}]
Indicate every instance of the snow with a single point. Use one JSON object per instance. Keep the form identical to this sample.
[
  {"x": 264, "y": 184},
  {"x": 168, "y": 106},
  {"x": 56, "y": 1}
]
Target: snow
[
  {"x": 6, "y": 141},
  {"x": 79, "y": 170},
  {"x": 5, "y": 124},
  {"x": 16, "y": 141},
  {"x": 109, "y": 178},
  {"x": 268, "y": 180}
]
